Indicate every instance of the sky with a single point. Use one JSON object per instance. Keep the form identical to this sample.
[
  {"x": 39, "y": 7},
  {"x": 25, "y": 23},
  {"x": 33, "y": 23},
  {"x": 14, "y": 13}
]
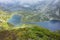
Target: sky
[{"x": 21, "y": 1}]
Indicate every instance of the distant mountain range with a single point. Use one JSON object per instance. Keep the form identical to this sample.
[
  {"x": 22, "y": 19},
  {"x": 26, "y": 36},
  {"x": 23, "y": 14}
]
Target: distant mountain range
[
  {"x": 17, "y": 6},
  {"x": 39, "y": 6},
  {"x": 49, "y": 8}
]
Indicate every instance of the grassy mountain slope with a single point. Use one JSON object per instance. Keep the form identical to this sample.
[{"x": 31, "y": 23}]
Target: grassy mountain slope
[{"x": 28, "y": 32}]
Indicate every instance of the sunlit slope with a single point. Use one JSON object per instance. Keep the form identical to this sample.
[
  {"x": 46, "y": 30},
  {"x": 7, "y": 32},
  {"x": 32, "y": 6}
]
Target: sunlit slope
[{"x": 4, "y": 16}]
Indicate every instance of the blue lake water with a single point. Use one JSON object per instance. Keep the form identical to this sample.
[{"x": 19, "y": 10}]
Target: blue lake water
[
  {"x": 51, "y": 25},
  {"x": 15, "y": 20}
]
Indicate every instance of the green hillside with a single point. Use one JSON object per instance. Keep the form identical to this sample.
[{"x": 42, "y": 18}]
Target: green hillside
[{"x": 28, "y": 33}]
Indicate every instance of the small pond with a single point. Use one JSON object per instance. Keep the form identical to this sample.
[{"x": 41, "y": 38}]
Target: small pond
[{"x": 15, "y": 20}]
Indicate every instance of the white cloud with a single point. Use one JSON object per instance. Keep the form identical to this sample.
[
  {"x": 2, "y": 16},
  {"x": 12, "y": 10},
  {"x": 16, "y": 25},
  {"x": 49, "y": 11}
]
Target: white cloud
[{"x": 26, "y": 6}]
